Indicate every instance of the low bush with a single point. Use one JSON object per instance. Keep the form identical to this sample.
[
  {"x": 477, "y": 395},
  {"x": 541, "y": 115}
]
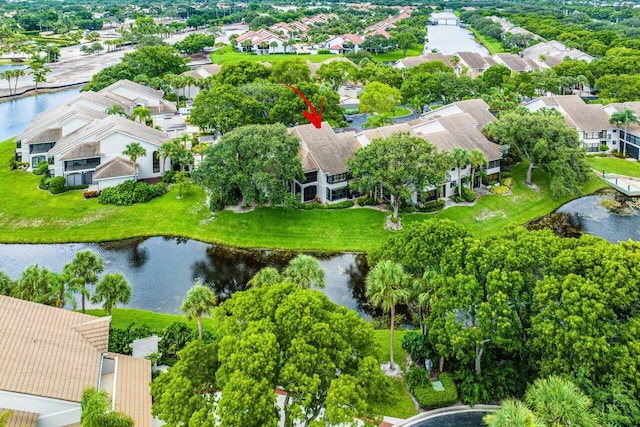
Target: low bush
[
  {"x": 417, "y": 378},
  {"x": 90, "y": 194},
  {"x": 323, "y": 51},
  {"x": 468, "y": 194},
  {"x": 417, "y": 346},
  {"x": 41, "y": 168},
  {"x": 367, "y": 200},
  {"x": 432, "y": 206},
  {"x": 169, "y": 177},
  {"x": 340, "y": 205},
  {"x": 499, "y": 190},
  {"x": 603, "y": 147},
  {"x": 506, "y": 174},
  {"x": 507, "y": 182},
  {"x": 57, "y": 185},
  {"x": 130, "y": 192},
  {"x": 120, "y": 339},
  {"x": 428, "y": 398},
  {"x": 44, "y": 183}
]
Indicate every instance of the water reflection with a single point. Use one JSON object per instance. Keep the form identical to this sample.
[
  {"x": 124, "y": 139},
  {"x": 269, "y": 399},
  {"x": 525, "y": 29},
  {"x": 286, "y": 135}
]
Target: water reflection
[{"x": 162, "y": 269}]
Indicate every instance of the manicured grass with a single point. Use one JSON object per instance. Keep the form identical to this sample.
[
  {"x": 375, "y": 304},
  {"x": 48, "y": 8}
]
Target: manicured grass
[
  {"x": 226, "y": 54},
  {"x": 415, "y": 50},
  {"x": 615, "y": 165},
  {"x": 121, "y": 318},
  {"x": 493, "y": 46},
  {"x": 401, "y": 112},
  {"x": 30, "y": 215},
  {"x": 382, "y": 338},
  {"x": 401, "y": 405}
]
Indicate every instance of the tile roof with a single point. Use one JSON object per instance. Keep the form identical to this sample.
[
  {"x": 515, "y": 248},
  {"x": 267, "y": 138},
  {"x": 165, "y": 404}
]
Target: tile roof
[
  {"x": 133, "y": 393},
  {"x": 327, "y": 150},
  {"x": 47, "y": 135},
  {"x": 48, "y": 351},
  {"x": 115, "y": 168},
  {"x": 353, "y": 39},
  {"x": 474, "y": 60},
  {"x": 414, "y": 61},
  {"x": 99, "y": 129},
  {"x": 22, "y": 419},
  {"x": 578, "y": 114},
  {"x": 58, "y": 115},
  {"x": 136, "y": 87},
  {"x": 314, "y": 66},
  {"x": 83, "y": 151}
]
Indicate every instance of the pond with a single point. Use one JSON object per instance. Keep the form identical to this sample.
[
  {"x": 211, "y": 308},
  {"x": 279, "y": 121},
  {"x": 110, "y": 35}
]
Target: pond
[
  {"x": 162, "y": 269},
  {"x": 449, "y": 39},
  {"x": 460, "y": 419},
  {"x": 18, "y": 113}
]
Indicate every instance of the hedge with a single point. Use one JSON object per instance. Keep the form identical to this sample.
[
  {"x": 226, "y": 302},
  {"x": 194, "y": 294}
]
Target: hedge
[
  {"x": 130, "y": 192},
  {"x": 428, "y": 398},
  {"x": 341, "y": 205}
]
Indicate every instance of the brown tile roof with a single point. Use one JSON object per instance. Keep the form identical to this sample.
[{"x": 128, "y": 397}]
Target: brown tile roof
[
  {"x": 136, "y": 87},
  {"x": 22, "y": 419},
  {"x": 474, "y": 61},
  {"x": 133, "y": 393},
  {"x": 104, "y": 99},
  {"x": 308, "y": 164},
  {"x": 460, "y": 131},
  {"x": 476, "y": 108},
  {"x": 48, "y": 351},
  {"x": 83, "y": 151},
  {"x": 352, "y": 38},
  {"x": 47, "y": 135},
  {"x": 582, "y": 116},
  {"x": 327, "y": 150},
  {"x": 414, "y": 61},
  {"x": 115, "y": 168}
]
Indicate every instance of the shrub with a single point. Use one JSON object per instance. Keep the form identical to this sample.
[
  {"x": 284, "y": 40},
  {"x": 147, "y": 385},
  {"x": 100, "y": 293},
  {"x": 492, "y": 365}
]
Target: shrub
[
  {"x": 169, "y": 177},
  {"x": 41, "y": 168},
  {"x": 603, "y": 147},
  {"x": 468, "y": 194},
  {"x": 417, "y": 378},
  {"x": 120, "y": 339},
  {"x": 507, "y": 182},
  {"x": 44, "y": 183},
  {"x": 130, "y": 192},
  {"x": 175, "y": 337},
  {"x": 458, "y": 199},
  {"x": 57, "y": 185},
  {"x": 428, "y": 398},
  {"x": 367, "y": 200},
  {"x": 432, "y": 206},
  {"x": 416, "y": 345},
  {"x": 340, "y": 205},
  {"x": 499, "y": 190},
  {"x": 506, "y": 174},
  {"x": 89, "y": 194}
]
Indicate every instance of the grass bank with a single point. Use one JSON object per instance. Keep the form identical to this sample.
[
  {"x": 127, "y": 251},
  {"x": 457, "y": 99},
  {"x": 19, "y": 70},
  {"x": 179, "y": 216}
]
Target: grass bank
[
  {"x": 400, "y": 406},
  {"x": 226, "y": 54},
  {"x": 414, "y": 50},
  {"x": 30, "y": 215},
  {"x": 615, "y": 165},
  {"x": 493, "y": 46}
]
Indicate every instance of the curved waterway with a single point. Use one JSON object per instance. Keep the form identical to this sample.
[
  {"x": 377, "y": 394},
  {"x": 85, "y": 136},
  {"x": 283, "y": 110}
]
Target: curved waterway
[
  {"x": 161, "y": 269},
  {"x": 17, "y": 114}
]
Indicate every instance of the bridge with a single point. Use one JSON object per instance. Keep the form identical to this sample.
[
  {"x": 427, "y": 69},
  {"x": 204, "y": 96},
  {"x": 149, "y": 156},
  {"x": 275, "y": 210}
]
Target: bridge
[{"x": 627, "y": 185}]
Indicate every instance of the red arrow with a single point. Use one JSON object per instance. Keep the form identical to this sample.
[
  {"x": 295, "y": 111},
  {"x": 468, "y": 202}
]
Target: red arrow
[{"x": 314, "y": 117}]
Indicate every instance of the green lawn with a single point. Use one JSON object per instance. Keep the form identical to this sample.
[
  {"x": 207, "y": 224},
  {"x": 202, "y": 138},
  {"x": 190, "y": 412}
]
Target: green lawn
[
  {"x": 493, "y": 46},
  {"x": 415, "y": 50},
  {"x": 401, "y": 112},
  {"x": 615, "y": 165},
  {"x": 226, "y": 54},
  {"x": 121, "y": 318},
  {"x": 30, "y": 215}
]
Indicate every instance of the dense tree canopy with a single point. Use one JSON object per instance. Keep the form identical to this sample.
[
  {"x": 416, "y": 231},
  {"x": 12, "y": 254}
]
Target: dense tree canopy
[{"x": 251, "y": 163}]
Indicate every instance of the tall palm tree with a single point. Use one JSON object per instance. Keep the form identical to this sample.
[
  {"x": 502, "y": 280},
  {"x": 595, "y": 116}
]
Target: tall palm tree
[
  {"x": 512, "y": 413},
  {"x": 61, "y": 289},
  {"x": 304, "y": 270},
  {"x": 17, "y": 74},
  {"x": 460, "y": 158},
  {"x": 8, "y": 75},
  {"x": 116, "y": 109},
  {"x": 624, "y": 117},
  {"x": 83, "y": 270},
  {"x": 112, "y": 289},
  {"x": 39, "y": 72},
  {"x": 168, "y": 150},
  {"x": 559, "y": 402},
  {"x": 188, "y": 82},
  {"x": 141, "y": 113},
  {"x": 385, "y": 288},
  {"x": 477, "y": 159},
  {"x": 134, "y": 150},
  {"x": 34, "y": 285},
  {"x": 199, "y": 300}
]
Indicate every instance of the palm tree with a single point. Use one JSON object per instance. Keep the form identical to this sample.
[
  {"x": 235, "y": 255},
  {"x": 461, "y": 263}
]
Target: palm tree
[
  {"x": 265, "y": 277},
  {"x": 274, "y": 45},
  {"x": 188, "y": 81},
  {"x": 83, "y": 270},
  {"x": 304, "y": 270},
  {"x": 39, "y": 72},
  {"x": 385, "y": 289},
  {"x": 8, "y": 75},
  {"x": 134, "y": 150},
  {"x": 61, "y": 289},
  {"x": 143, "y": 114},
  {"x": 168, "y": 150},
  {"x": 96, "y": 410},
  {"x": 624, "y": 117},
  {"x": 17, "y": 74},
  {"x": 477, "y": 159},
  {"x": 460, "y": 158},
  {"x": 199, "y": 300},
  {"x": 112, "y": 289},
  {"x": 116, "y": 109},
  {"x": 512, "y": 413},
  {"x": 6, "y": 284},
  {"x": 559, "y": 402},
  {"x": 5, "y": 416},
  {"x": 34, "y": 285},
  {"x": 377, "y": 120}
]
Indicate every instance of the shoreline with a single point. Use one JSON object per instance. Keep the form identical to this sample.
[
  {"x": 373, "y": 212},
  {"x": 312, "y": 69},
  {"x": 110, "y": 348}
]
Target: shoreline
[{"x": 41, "y": 90}]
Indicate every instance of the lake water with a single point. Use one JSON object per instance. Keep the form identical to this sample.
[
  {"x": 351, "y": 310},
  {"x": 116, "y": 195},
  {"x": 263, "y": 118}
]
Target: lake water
[
  {"x": 17, "y": 114},
  {"x": 161, "y": 270},
  {"x": 449, "y": 39}
]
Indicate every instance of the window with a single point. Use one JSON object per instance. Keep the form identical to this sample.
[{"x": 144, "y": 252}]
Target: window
[
  {"x": 18, "y": 144},
  {"x": 40, "y": 148},
  {"x": 81, "y": 164},
  {"x": 156, "y": 162},
  {"x": 339, "y": 177},
  {"x": 310, "y": 193},
  {"x": 453, "y": 184},
  {"x": 340, "y": 193},
  {"x": 311, "y": 176},
  {"x": 494, "y": 164},
  {"x": 35, "y": 160}
]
